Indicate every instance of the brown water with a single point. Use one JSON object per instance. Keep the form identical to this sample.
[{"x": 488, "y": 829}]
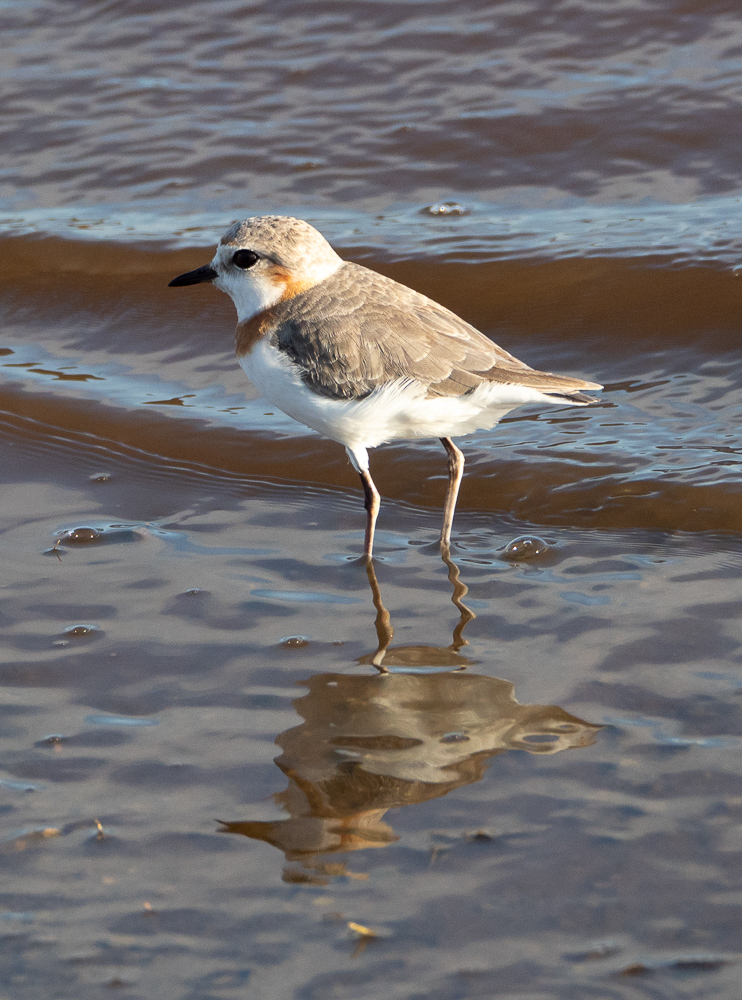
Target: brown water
[{"x": 203, "y": 778}]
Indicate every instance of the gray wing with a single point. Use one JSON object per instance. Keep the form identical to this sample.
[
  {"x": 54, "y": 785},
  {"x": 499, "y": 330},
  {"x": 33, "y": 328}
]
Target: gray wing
[{"x": 358, "y": 330}]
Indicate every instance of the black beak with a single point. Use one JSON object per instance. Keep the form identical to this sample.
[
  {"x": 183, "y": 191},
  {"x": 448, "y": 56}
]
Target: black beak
[{"x": 204, "y": 273}]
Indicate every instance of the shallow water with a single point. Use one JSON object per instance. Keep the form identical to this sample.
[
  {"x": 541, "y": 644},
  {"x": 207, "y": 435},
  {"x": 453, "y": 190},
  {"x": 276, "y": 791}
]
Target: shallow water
[{"x": 204, "y": 780}]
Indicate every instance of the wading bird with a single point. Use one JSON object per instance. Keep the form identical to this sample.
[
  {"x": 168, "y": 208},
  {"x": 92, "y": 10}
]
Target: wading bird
[{"x": 362, "y": 358}]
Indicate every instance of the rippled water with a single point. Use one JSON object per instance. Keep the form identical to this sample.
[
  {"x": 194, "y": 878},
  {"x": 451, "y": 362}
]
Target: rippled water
[{"x": 206, "y": 788}]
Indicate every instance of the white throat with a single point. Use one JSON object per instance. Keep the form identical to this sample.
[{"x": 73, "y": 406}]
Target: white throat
[
  {"x": 251, "y": 294},
  {"x": 255, "y": 290}
]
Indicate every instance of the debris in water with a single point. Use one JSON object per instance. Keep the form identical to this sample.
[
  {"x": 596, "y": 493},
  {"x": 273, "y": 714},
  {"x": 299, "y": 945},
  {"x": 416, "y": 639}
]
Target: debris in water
[
  {"x": 363, "y": 931},
  {"x": 55, "y": 550},
  {"x": 365, "y": 935},
  {"x": 635, "y": 969},
  {"x": 683, "y": 963},
  {"x": 481, "y": 835}
]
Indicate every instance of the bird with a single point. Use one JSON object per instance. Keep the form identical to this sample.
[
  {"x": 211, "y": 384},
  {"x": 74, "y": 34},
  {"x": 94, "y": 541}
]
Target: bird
[{"x": 361, "y": 358}]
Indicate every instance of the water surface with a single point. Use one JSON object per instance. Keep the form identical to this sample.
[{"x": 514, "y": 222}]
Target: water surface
[{"x": 205, "y": 780}]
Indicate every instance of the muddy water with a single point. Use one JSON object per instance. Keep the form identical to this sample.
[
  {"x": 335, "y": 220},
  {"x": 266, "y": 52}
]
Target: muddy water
[{"x": 204, "y": 780}]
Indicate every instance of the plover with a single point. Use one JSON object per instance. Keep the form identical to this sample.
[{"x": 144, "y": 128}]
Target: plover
[{"x": 362, "y": 358}]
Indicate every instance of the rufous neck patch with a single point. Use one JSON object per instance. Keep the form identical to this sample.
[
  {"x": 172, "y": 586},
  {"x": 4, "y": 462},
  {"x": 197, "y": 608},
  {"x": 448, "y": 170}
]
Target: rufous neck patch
[
  {"x": 252, "y": 330},
  {"x": 292, "y": 286}
]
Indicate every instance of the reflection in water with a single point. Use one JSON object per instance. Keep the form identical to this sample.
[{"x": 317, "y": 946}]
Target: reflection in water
[
  {"x": 420, "y": 656},
  {"x": 369, "y": 744}
]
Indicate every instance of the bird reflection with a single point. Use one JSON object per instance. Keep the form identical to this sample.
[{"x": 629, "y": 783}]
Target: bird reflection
[{"x": 368, "y": 744}]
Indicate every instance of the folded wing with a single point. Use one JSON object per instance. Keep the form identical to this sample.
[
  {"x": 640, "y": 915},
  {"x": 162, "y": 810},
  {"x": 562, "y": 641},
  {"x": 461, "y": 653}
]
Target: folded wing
[{"x": 359, "y": 330}]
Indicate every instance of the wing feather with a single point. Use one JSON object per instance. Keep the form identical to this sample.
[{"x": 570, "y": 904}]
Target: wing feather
[{"x": 358, "y": 330}]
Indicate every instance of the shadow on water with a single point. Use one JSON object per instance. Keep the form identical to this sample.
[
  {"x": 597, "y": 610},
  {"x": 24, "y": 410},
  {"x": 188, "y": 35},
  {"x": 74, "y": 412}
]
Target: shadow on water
[{"x": 370, "y": 744}]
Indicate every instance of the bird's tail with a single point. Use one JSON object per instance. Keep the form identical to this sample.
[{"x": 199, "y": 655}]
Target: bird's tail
[{"x": 562, "y": 386}]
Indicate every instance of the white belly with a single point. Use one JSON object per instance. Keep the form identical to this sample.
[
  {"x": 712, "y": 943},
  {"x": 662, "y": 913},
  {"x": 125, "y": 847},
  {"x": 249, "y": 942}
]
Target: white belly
[{"x": 396, "y": 411}]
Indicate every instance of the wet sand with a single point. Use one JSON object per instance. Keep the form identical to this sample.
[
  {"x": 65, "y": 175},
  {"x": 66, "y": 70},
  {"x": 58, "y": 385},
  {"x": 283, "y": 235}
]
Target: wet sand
[{"x": 204, "y": 779}]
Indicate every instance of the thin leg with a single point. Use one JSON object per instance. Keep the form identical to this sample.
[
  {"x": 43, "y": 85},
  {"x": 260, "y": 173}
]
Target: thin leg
[
  {"x": 372, "y": 504},
  {"x": 358, "y": 456},
  {"x": 455, "y": 474}
]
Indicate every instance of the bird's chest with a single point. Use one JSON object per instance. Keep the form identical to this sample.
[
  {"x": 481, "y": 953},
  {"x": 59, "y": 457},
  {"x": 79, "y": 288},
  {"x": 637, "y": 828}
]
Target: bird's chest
[
  {"x": 271, "y": 372},
  {"x": 279, "y": 381}
]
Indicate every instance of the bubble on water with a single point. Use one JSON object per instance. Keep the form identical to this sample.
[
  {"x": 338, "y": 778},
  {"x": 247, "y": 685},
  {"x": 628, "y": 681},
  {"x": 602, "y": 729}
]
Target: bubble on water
[
  {"x": 105, "y": 533},
  {"x": 294, "y": 641},
  {"x": 81, "y": 631},
  {"x": 54, "y": 739},
  {"x": 192, "y": 591},
  {"x": 525, "y": 547},
  {"x": 80, "y": 536},
  {"x": 100, "y": 477},
  {"x": 597, "y": 950},
  {"x": 454, "y": 738},
  {"x": 446, "y": 208}
]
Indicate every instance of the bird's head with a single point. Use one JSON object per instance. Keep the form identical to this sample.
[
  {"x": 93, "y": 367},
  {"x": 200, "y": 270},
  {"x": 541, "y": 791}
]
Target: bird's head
[{"x": 263, "y": 260}]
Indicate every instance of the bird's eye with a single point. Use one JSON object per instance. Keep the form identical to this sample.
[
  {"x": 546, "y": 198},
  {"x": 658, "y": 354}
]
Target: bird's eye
[{"x": 244, "y": 259}]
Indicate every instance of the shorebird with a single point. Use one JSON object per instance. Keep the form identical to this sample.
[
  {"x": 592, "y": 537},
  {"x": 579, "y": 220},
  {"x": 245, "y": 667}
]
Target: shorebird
[{"x": 362, "y": 358}]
